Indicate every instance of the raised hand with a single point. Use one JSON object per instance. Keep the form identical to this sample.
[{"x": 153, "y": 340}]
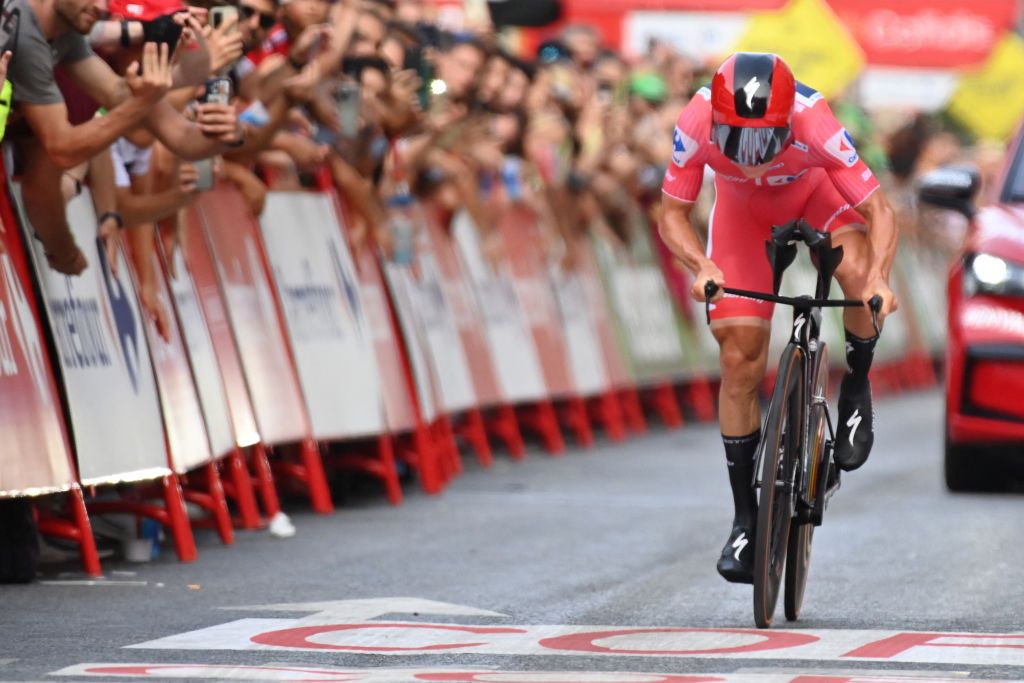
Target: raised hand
[
  {"x": 155, "y": 78},
  {"x": 218, "y": 121}
]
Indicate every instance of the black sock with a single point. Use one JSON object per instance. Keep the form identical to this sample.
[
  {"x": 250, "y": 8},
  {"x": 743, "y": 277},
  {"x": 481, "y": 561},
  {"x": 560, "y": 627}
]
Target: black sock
[
  {"x": 739, "y": 455},
  {"x": 859, "y": 353}
]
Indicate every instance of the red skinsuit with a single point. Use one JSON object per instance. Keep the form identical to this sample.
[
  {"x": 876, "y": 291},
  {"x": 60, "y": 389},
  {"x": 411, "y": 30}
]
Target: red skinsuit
[{"x": 819, "y": 178}]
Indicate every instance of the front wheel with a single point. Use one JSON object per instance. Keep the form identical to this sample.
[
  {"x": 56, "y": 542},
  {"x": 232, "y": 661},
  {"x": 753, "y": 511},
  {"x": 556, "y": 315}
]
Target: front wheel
[
  {"x": 798, "y": 559},
  {"x": 780, "y": 448}
]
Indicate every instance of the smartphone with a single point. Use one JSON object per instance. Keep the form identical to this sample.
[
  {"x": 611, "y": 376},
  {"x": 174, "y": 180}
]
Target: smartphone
[
  {"x": 222, "y": 14},
  {"x": 348, "y": 100},
  {"x": 218, "y": 90},
  {"x": 205, "y": 169}
]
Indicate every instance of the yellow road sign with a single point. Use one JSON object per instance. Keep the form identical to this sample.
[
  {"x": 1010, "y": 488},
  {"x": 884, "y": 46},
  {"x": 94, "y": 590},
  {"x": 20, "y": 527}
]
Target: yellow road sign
[
  {"x": 990, "y": 101},
  {"x": 812, "y": 40}
]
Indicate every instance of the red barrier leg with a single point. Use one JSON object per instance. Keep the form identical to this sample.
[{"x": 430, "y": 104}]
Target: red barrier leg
[
  {"x": 609, "y": 413},
  {"x": 663, "y": 399},
  {"x": 78, "y": 530},
  {"x": 239, "y": 487},
  {"x": 505, "y": 426},
  {"x": 390, "y": 474},
  {"x": 541, "y": 417},
  {"x": 86, "y": 542},
  {"x": 473, "y": 431},
  {"x": 177, "y": 519},
  {"x": 265, "y": 481},
  {"x": 701, "y": 397},
  {"x": 575, "y": 415},
  {"x": 315, "y": 478},
  {"x": 426, "y": 460},
  {"x": 219, "y": 505},
  {"x": 444, "y": 437},
  {"x": 632, "y": 410}
]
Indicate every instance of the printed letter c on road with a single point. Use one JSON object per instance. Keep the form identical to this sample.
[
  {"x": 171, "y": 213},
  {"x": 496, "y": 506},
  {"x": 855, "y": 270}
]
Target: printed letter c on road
[
  {"x": 770, "y": 640},
  {"x": 300, "y": 637}
]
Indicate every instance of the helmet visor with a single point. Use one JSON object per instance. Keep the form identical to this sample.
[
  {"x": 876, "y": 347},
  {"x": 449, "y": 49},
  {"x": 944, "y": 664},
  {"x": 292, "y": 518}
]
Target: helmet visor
[{"x": 750, "y": 146}]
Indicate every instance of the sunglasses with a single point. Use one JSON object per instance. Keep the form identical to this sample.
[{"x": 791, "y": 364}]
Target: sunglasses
[{"x": 267, "y": 21}]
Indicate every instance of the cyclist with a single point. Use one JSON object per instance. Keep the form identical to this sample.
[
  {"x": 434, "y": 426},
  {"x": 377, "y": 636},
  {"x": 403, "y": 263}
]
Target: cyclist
[{"x": 778, "y": 154}]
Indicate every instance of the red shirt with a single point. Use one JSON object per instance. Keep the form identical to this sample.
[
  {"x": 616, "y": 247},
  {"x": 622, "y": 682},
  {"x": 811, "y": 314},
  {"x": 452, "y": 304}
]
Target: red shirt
[{"x": 819, "y": 141}]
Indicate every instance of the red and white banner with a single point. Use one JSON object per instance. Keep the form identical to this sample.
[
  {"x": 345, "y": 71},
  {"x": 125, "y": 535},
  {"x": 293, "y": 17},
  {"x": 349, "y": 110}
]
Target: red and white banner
[
  {"x": 522, "y": 238},
  {"x": 234, "y": 242},
  {"x": 35, "y": 456},
  {"x": 323, "y": 309},
  {"x": 504, "y": 323},
  {"x": 104, "y": 360},
  {"x": 586, "y": 358},
  {"x": 203, "y": 360},
  {"x": 466, "y": 315},
  {"x": 926, "y": 33},
  {"x": 187, "y": 440},
  {"x": 203, "y": 275}
]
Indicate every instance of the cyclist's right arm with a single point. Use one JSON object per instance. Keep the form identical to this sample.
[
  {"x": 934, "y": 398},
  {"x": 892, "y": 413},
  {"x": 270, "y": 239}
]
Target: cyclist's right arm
[{"x": 682, "y": 184}]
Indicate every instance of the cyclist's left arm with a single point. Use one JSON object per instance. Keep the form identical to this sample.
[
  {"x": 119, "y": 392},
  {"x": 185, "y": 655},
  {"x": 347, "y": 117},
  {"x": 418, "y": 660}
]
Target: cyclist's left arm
[{"x": 831, "y": 147}]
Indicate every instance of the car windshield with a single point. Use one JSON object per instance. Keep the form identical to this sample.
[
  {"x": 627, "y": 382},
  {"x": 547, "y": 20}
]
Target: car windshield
[{"x": 1013, "y": 190}]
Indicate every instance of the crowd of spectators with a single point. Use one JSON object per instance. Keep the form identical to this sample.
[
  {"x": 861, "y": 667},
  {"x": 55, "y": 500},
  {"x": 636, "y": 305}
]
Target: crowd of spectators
[{"x": 151, "y": 102}]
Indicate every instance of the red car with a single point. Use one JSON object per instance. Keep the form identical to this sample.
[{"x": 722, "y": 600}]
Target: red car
[{"x": 985, "y": 350}]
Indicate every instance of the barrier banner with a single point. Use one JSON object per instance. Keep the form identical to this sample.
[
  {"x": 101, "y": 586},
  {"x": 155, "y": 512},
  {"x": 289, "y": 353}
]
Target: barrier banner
[
  {"x": 428, "y": 323},
  {"x": 211, "y": 310},
  {"x": 323, "y": 311},
  {"x": 619, "y": 374},
  {"x": 252, "y": 312},
  {"x": 648, "y": 327},
  {"x": 206, "y": 373},
  {"x": 467, "y": 317},
  {"x": 504, "y": 323},
  {"x": 104, "y": 360},
  {"x": 187, "y": 440},
  {"x": 35, "y": 456},
  {"x": 586, "y": 358},
  {"x": 521, "y": 234},
  {"x": 399, "y": 407},
  {"x": 401, "y": 284},
  {"x": 920, "y": 284}
]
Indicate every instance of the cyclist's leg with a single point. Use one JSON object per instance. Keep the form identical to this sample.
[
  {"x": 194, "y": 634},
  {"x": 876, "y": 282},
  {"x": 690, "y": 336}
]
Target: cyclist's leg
[
  {"x": 741, "y": 327},
  {"x": 827, "y": 210}
]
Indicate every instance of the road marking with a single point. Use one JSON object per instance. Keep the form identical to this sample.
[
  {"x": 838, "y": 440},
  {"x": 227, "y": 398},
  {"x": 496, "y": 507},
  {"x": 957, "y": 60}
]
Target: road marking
[
  {"x": 404, "y": 638},
  {"x": 474, "y": 674},
  {"x": 92, "y": 582}
]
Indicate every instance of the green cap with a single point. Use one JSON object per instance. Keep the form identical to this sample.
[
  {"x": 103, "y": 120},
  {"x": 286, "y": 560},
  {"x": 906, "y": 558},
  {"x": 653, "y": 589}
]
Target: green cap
[{"x": 648, "y": 85}]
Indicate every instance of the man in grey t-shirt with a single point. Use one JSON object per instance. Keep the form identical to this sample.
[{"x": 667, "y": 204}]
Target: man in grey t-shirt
[{"x": 53, "y": 32}]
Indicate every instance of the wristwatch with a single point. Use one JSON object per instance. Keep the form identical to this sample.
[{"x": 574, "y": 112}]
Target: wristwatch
[{"x": 118, "y": 218}]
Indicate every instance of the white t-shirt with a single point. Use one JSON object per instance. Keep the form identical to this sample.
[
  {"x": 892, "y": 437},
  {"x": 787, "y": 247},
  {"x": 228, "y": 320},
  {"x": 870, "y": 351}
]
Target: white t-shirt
[{"x": 129, "y": 161}]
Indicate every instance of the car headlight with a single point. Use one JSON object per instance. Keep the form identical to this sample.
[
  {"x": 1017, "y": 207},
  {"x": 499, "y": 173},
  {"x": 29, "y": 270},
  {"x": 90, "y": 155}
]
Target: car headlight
[{"x": 987, "y": 274}]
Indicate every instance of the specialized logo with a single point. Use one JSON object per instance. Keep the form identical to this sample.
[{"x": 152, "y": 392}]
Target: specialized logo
[
  {"x": 750, "y": 89},
  {"x": 841, "y": 147},
  {"x": 798, "y": 325},
  {"x": 785, "y": 179},
  {"x": 854, "y": 423},
  {"x": 683, "y": 147},
  {"x": 740, "y": 543}
]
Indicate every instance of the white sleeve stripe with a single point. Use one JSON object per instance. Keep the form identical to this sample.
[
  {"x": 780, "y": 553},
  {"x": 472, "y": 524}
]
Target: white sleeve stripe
[{"x": 678, "y": 199}]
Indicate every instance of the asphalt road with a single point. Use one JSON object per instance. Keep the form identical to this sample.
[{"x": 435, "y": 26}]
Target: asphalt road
[{"x": 622, "y": 538}]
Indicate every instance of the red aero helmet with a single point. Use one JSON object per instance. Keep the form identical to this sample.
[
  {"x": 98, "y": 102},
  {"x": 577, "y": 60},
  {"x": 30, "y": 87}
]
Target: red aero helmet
[{"x": 752, "y": 97}]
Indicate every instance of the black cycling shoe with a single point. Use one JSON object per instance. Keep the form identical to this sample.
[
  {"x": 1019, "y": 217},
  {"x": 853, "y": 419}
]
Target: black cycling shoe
[
  {"x": 736, "y": 564},
  {"x": 856, "y": 430}
]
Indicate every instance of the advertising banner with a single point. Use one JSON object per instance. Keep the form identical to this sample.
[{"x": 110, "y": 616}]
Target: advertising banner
[
  {"x": 187, "y": 440},
  {"x": 202, "y": 358},
  {"x": 212, "y": 311},
  {"x": 522, "y": 237},
  {"x": 467, "y": 317},
  {"x": 504, "y": 324},
  {"x": 252, "y": 312},
  {"x": 35, "y": 456},
  {"x": 323, "y": 310},
  {"x": 585, "y": 355},
  {"x": 104, "y": 360}
]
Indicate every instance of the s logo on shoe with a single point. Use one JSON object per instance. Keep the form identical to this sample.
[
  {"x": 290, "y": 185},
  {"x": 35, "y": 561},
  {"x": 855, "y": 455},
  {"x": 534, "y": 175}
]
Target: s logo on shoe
[
  {"x": 740, "y": 543},
  {"x": 853, "y": 423}
]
